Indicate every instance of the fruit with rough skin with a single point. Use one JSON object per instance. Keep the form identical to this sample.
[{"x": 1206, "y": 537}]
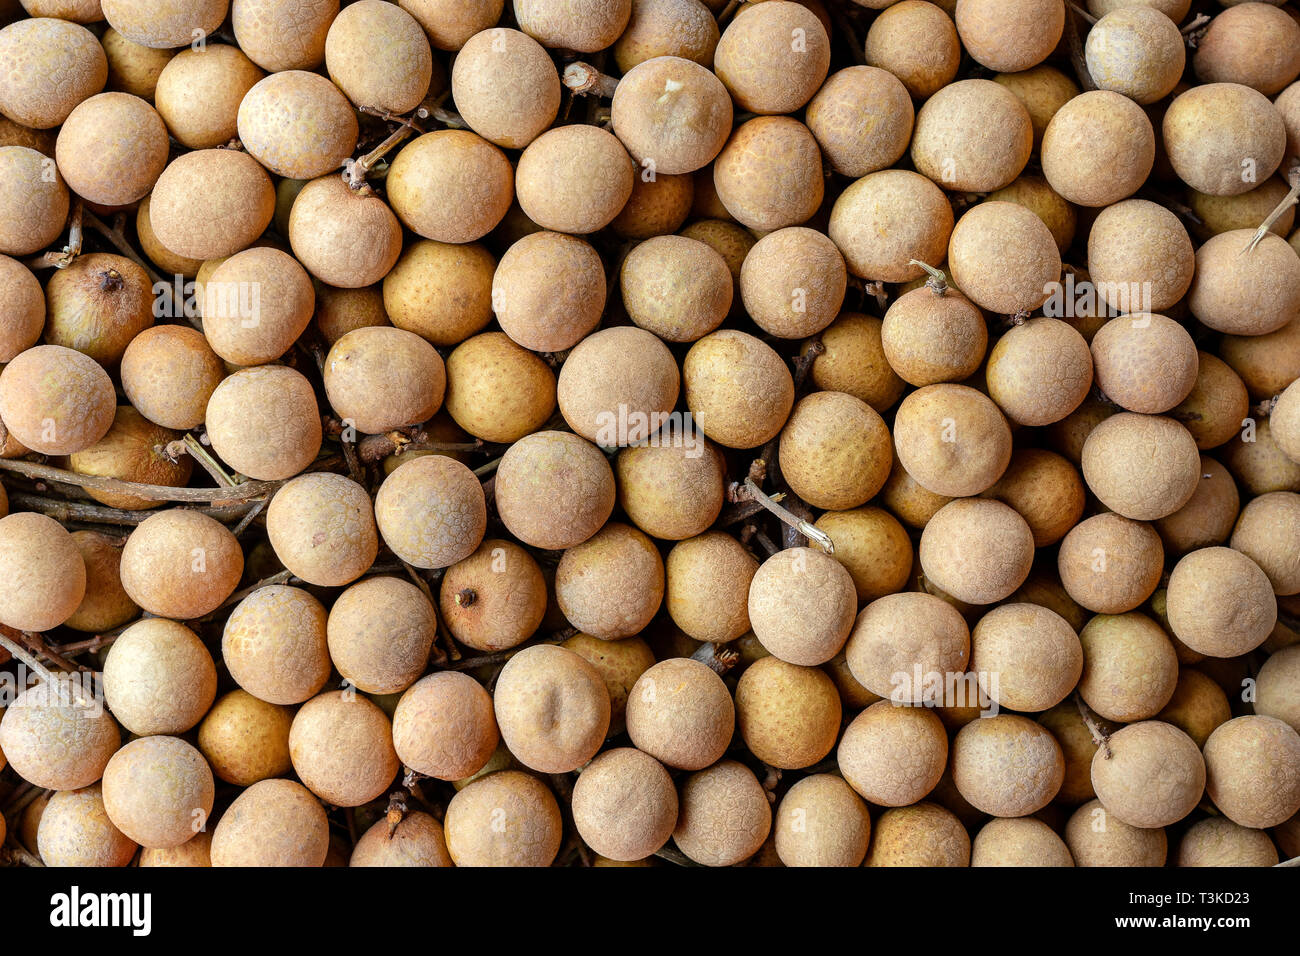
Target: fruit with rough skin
[
  {"x": 344, "y": 237},
  {"x": 245, "y": 739},
  {"x": 75, "y": 830},
  {"x": 504, "y": 819},
  {"x": 1217, "y": 841},
  {"x": 211, "y": 203},
  {"x": 1254, "y": 44},
  {"x": 898, "y": 633},
  {"x": 1037, "y": 195},
  {"x": 322, "y": 528},
  {"x": 1034, "y": 653},
  {"x": 873, "y": 546},
  {"x": 801, "y": 606},
  {"x": 279, "y": 442},
  {"x": 671, "y": 491},
  {"x": 441, "y": 291},
  {"x": 1044, "y": 489},
  {"x": 495, "y": 599},
  {"x": 1220, "y": 602},
  {"x": 1210, "y": 131},
  {"x": 534, "y": 687},
  {"x": 380, "y": 632},
  {"x": 853, "y": 360},
  {"x": 168, "y": 373},
  {"x": 112, "y": 168},
  {"x": 1019, "y": 841},
  {"x": 724, "y": 816},
  {"x": 181, "y": 564},
  {"x": 1137, "y": 51},
  {"x": 341, "y": 745},
  {"x": 49, "y": 65},
  {"x": 378, "y": 55},
  {"x": 1110, "y": 564},
  {"x": 44, "y": 578},
  {"x": 678, "y": 288},
  {"x": 158, "y": 791},
  {"x": 135, "y": 449},
  {"x": 274, "y": 645},
  {"x": 738, "y": 389},
  {"x": 977, "y": 550},
  {"x": 159, "y": 678},
  {"x": 1130, "y": 668},
  {"x": 835, "y": 451},
  {"x": 1244, "y": 292},
  {"x": 199, "y": 91},
  {"x": 54, "y": 737},
  {"x": 1007, "y": 765},
  {"x": 168, "y": 262},
  {"x": 1098, "y": 838},
  {"x": 24, "y": 308},
  {"x": 1149, "y": 774},
  {"x": 684, "y": 28},
  {"x": 1040, "y": 371},
  {"x": 554, "y": 490},
  {"x": 916, "y": 42},
  {"x": 672, "y": 115},
  {"x": 822, "y": 822},
  {"x": 417, "y": 840},
  {"x": 680, "y": 712},
  {"x": 1143, "y": 467},
  {"x": 450, "y": 185},
  {"x": 619, "y": 664},
  {"x": 1140, "y": 258},
  {"x": 788, "y": 716},
  {"x": 498, "y": 391},
  {"x": 297, "y": 124},
  {"x": 431, "y": 512},
  {"x": 924, "y": 834},
  {"x": 658, "y": 207},
  {"x": 1265, "y": 533},
  {"x": 283, "y": 36},
  {"x": 98, "y": 305},
  {"x": 33, "y": 201},
  {"x": 952, "y": 439},
  {"x": 444, "y": 726},
  {"x": 106, "y": 604},
  {"x": 549, "y": 291},
  {"x": 793, "y": 282},
  {"x": 339, "y": 311},
  {"x": 611, "y": 585},
  {"x": 624, "y": 804},
  {"x": 707, "y": 592},
  {"x": 1003, "y": 257},
  {"x": 930, "y": 337},
  {"x": 1042, "y": 90},
  {"x": 618, "y": 386},
  {"x": 1010, "y": 35},
  {"x": 582, "y": 25},
  {"x": 505, "y": 87},
  {"x": 1208, "y": 516},
  {"x": 887, "y": 219},
  {"x": 893, "y": 756},
  {"x": 378, "y": 379},
  {"x": 272, "y": 823},
  {"x": 574, "y": 179},
  {"x": 972, "y": 136},
  {"x": 762, "y": 68},
  {"x": 164, "y": 24},
  {"x": 769, "y": 174}
]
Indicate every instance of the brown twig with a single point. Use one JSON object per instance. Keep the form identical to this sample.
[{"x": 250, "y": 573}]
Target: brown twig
[
  {"x": 1098, "y": 738},
  {"x": 815, "y": 535},
  {"x": 246, "y": 490}
]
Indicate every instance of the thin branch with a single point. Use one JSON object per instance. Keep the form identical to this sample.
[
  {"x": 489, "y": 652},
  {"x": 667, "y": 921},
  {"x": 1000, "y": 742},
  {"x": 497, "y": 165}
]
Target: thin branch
[{"x": 249, "y": 489}]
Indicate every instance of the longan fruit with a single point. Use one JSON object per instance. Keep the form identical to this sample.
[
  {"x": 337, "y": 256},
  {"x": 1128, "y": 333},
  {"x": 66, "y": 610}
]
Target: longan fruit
[
  {"x": 1077, "y": 746},
  {"x": 1217, "y": 404},
  {"x": 297, "y": 124},
  {"x": 158, "y": 791},
  {"x": 625, "y": 804},
  {"x": 924, "y": 834},
  {"x": 707, "y": 589},
  {"x": 1211, "y": 133},
  {"x": 272, "y": 823},
  {"x": 198, "y": 94},
  {"x": 1130, "y": 669},
  {"x": 258, "y": 445},
  {"x": 1140, "y": 257},
  {"x": 684, "y": 28},
  {"x": 729, "y": 239},
  {"x": 931, "y": 336},
  {"x": 1149, "y": 774},
  {"x": 1258, "y": 465},
  {"x": 180, "y": 563},
  {"x": 1253, "y": 770},
  {"x": 118, "y": 168},
  {"x": 345, "y": 237},
  {"x": 1221, "y": 603},
  {"x": 554, "y": 490},
  {"x": 822, "y": 822},
  {"x": 1003, "y": 258},
  {"x": 1265, "y": 532},
  {"x": 672, "y": 114},
  {"x": 952, "y": 439},
  {"x": 1111, "y": 564},
  {"x": 972, "y": 136},
  {"x": 887, "y": 219},
  {"x": 42, "y": 575},
  {"x": 256, "y": 304},
  {"x": 769, "y": 174},
  {"x": 612, "y": 584},
  {"x": 339, "y": 311},
  {"x": 164, "y": 24},
  {"x": 1028, "y": 657},
  {"x": 417, "y": 840},
  {"x": 1045, "y": 489},
  {"x": 495, "y": 599},
  {"x": 788, "y": 716},
  {"x": 274, "y": 645},
  {"x": 1030, "y": 391},
  {"x": 1010, "y": 35},
  {"x": 680, "y": 712},
  {"x": 853, "y": 359},
  {"x": 322, "y": 528},
  {"x": 574, "y": 179},
  {"x": 835, "y": 451},
  {"x": 658, "y": 207},
  {"x": 738, "y": 389},
  {"x": 1245, "y": 211},
  {"x": 1197, "y": 707},
  {"x": 56, "y": 737},
  {"x": 1284, "y": 422},
  {"x": 25, "y": 308},
  {"x": 1098, "y": 148},
  {"x": 504, "y": 84},
  {"x": 33, "y": 201},
  {"x": 1036, "y": 195},
  {"x": 76, "y": 831},
  {"x": 378, "y": 379},
  {"x": 862, "y": 118},
  {"x": 548, "y": 291},
  {"x": 873, "y": 546},
  {"x": 671, "y": 490},
  {"x": 1245, "y": 292},
  {"x": 341, "y": 745},
  {"x": 280, "y": 37},
  {"x": 1254, "y": 44},
  {"x": 245, "y": 739},
  {"x": 893, "y": 756},
  {"x": 916, "y": 42},
  {"x": 1137, "y": 51},
  {"x": 211, "y": 203},
  {"x": 1098, "y": 838},
  {"x": 378, "y": 55},
  {"x": 441, "y": 291},
  {"x": 1019, "y": 841},
  {"x": 619, "y": 664},
  {"x": 793, "y": 282},
  {"x": 1143, "y": 467},
  {"x": 977, "y": 550},
  {"x": 617, "y": 386},
  {"x": 444, "y": 726},
  {"x": 504, "y": 819},
  {"x": 55, "y": 400},
  {"x": 1007, "y": 765},
  {"x": 431, "y": 511},
  {"x": 168, "y": 262},
  {"x": 583, "y": 25},
  {"x": 678, "y": 288},
  {"x": 450, "y": 185},
  {"x": 1209, "y": 515},
  {"x": 1042, "y": 90},
  {"x": 723, "y": 815},
  {"x": 898, "y": 634},
  {"x": 106, "y": 604},
  {"x": 97, "y": 305},
  {"x": 380, "y": 632},
  {"x": 763, "y": 69},
  {"x": 33, "y": 52},
  {"x": 1217, "y": 841},
  {"x": 801, "y": 606},
  {"x": 1275, "y": 690},
  {"x": 159, "y": 678}
]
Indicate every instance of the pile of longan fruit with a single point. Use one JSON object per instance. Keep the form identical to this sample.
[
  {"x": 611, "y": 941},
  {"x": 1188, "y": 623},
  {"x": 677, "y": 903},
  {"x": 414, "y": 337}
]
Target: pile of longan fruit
[{"x": 649, "y": 432}]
